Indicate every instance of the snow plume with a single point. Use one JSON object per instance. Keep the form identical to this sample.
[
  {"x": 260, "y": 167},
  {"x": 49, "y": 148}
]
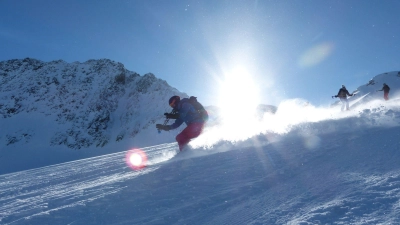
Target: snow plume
[{"x": 299, "y": 116}]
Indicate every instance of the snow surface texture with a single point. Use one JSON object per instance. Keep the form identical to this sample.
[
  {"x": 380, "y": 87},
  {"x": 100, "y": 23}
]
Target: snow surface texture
[{"x": 315, "y": 166}]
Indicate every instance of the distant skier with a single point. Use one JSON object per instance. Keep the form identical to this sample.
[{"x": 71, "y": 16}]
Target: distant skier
[
  {"x": 342, "y": 94},
  {"x": 385, "y": 90},
  {"x": 189, "y": 111}
]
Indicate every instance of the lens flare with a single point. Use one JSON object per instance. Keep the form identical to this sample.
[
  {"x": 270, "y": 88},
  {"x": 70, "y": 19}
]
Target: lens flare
[
  {"x": 136, "y": 159},
  {"x": 316, "y": 54}
]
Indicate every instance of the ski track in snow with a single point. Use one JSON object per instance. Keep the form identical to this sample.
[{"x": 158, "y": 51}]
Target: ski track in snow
[
  {"x": 35, "y": 192},
  {"x": 349, "y": 179}
]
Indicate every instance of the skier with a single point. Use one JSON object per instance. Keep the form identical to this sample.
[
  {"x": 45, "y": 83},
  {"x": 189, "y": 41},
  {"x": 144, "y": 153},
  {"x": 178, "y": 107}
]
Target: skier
[
  {"x": 385, "y": 90},
  {"x": 342, "y": 94},
  {"x": 184, "y": 111}
]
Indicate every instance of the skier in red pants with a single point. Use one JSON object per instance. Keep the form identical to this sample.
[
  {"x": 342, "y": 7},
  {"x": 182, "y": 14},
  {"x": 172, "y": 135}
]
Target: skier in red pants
[
  {"x": 385, "y": 90},
  {"x": 191, "y": 131},
  {"x": 189, "y": 111}
]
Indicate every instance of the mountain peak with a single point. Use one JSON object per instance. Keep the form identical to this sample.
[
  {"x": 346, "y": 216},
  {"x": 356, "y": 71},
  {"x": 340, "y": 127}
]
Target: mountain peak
[{"x": 87, "y": 104}]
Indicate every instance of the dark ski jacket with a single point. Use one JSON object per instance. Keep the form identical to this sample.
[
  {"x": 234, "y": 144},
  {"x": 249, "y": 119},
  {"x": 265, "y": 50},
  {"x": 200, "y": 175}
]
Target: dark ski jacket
[
  {"x": 385, "y": 89},
  {"x": 187, "y": 113},
  {"x": 343, "y": 93}
]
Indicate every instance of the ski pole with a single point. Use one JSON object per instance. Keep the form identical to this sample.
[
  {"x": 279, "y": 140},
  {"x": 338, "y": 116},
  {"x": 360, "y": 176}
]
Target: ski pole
[
  {"x": 165, "y": 123},
  {"x": 166, "y": 120}
]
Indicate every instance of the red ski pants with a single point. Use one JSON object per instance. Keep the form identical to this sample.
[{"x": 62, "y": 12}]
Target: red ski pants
[
  {"x": 191, "y": 131},
  {"x": 386, "y": 96}
]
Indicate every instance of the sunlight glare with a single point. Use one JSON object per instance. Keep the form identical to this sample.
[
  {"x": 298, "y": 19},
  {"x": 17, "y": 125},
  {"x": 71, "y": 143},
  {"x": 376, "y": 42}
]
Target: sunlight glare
[{"x": 238, "y": 100}]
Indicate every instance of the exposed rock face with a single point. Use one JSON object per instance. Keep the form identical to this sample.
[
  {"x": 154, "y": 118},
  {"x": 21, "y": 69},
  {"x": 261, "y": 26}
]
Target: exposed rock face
[{"x": 93, "y": 103}]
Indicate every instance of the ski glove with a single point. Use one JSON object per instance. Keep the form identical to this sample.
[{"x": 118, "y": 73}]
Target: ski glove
[
  {"x": 162, "y": 127},
  {"x": 171, "y": 115}
]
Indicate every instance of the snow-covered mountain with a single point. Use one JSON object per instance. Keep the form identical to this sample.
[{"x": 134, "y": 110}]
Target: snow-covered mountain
[{"x": 92, "y": 103}]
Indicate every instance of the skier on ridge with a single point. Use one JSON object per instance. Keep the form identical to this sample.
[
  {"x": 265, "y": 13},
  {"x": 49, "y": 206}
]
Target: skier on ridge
[
  {"x": 342, "y": 94},
  {"x": 189, "y": 111},
  {"x": 385, "y": 90}
]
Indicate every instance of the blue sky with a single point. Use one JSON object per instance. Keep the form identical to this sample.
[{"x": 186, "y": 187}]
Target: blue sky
[{"x": 287, "y": 49}]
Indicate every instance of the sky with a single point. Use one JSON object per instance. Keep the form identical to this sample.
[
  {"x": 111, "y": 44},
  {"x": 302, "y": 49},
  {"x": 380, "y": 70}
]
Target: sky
[
  {"x": 219, "y": 51},
  {"x": 340, "y": 169}
]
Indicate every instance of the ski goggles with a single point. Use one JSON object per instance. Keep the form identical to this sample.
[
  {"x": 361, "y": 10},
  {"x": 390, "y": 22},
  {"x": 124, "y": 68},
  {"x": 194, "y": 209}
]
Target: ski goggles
[{"x": 172, "y": 104}]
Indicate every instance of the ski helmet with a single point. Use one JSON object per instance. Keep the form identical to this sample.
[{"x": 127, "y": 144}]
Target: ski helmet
[
  {"x": 343, "y": 86},
  {"x": 174, "y": 100}
]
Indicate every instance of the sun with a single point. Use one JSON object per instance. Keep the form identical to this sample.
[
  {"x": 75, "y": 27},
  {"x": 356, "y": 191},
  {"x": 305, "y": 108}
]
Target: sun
[{"x": 238, "y": 98}]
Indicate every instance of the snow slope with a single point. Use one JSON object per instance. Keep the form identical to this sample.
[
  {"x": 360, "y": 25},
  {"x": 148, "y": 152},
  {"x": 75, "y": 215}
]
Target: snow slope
[
  {"x": 340, "y": 169},
  {"x": 302, "y": 164}
]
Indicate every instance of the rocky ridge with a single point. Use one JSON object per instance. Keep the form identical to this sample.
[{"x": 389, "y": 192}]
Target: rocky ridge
[{"x": 93, "y": 103}]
